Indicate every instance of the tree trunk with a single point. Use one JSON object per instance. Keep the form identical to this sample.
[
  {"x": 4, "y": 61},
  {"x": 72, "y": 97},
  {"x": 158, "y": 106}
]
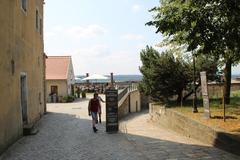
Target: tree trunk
[
  {"x": 179, "y": 98},
  {"x": 227, "y": 80},
  {"x": 190, "y": 93}
]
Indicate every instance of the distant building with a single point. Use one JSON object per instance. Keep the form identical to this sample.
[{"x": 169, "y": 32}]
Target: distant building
[
  {"x": 21, "y": 67},
  {"x": 59, "y": 77}
]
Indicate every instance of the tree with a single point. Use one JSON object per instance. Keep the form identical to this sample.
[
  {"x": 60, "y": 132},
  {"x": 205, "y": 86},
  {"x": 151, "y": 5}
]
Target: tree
[
  {"x": 209, "y": 27},
  {"x": 203, "y": 63},
  {"x": 167, "y": 74},
  {"x": 163, "y": 75}
]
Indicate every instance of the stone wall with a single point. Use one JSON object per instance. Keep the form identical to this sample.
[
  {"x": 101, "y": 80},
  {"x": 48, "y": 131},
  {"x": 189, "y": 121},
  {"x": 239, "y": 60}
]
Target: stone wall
[
  {"x": 123, "y": 109},
  {"x": 190, "y": 128},
  {"x": 130, "y": 104},
  {"x": 215, "y": 90},
  {"x": 135, "y": 102}
]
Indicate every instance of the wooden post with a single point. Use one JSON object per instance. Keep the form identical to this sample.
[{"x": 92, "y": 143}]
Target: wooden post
[
  {"x": 87, "y": 75},
  {"x": 111, "y": 80}
]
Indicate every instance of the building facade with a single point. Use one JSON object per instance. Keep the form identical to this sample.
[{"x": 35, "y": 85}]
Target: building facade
[
  {"x": 21, "y": 67},
  {"x": 60, "y": 78}
]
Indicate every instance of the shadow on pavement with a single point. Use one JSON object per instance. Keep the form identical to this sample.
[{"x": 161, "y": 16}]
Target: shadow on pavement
[
  {"x": 64, "y": 136},
  {"x": 133, "y": 115}
]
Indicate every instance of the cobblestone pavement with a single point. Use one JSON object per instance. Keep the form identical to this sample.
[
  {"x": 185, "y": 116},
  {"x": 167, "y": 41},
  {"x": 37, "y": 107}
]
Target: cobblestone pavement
[
  {"x": 157, "y": 143},
  {"x": 66, "y": 133}
]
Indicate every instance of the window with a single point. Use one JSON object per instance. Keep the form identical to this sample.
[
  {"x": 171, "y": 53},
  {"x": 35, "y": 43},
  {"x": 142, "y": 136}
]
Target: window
[
  {"x": 54, "y": 90},
  {"x": 41, "y": 26},
  {"x": 37, "y": 20},
  {"x": 24, "y": 5}
]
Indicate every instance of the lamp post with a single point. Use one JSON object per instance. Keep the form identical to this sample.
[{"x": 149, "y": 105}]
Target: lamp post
[
  {"x": 195, "y": 110},
  {"x": 223, "y": 98}
]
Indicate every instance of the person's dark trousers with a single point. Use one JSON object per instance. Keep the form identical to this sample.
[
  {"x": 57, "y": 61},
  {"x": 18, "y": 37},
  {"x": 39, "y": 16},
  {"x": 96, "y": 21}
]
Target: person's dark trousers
[{"x": 100, "y": 120}]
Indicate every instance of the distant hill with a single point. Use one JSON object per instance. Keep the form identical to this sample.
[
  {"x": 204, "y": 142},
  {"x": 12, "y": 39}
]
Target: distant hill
[{"x": 119, "y": 78}]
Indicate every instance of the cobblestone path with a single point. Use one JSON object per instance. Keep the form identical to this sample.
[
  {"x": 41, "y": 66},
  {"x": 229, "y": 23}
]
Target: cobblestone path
[
  {"x": 65, "y": 133},
  {"x": 157, "y": 143}
]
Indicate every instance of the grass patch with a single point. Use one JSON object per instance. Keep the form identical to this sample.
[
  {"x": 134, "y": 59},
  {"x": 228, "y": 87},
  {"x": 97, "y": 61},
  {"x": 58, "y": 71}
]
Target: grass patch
[{"x": 232, "y": 123}]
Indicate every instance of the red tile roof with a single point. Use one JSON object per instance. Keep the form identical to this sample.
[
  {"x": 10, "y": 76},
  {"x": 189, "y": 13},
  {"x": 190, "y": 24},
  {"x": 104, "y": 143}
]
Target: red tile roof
[{"x": 57, "y": 67}]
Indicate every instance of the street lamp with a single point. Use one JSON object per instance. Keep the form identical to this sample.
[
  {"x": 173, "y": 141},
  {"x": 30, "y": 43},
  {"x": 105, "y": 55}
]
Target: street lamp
[{"x": 195, "y": 110}]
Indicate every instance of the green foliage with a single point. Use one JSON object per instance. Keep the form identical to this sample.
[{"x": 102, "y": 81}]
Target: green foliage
[
  {"x": 68, "y": 98},
  {"x": 210, "y": 27},
  {"x": 235, "y": 94},
  {"x": 83, "y": 94},
  {"x": 166, "y": 74},
  {"x": 163, "y": 74},
  {"x": 214, "y": 25}
]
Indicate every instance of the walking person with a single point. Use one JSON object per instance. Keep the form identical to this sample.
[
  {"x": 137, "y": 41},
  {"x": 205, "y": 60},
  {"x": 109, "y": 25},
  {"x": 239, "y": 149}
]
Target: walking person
[{"x": 93, "y": 109}]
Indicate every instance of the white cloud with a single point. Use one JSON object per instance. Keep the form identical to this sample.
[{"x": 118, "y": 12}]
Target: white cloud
[
  {"x": 95, "y": 51},
  {"x": 89, "y": 31},
  {"x": 136, "y": 8},
  {"x": 85, "y": 31},
  {"x": 133, "y": 37},
  {"x": 99, "y": 59}
]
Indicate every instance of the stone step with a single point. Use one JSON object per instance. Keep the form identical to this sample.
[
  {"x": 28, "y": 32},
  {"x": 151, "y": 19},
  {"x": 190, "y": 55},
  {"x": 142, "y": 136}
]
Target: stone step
[{"x": 29, "y": 129}]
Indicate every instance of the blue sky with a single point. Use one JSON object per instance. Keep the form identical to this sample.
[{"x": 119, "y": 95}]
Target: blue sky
[{"x": 102, "y": 36}]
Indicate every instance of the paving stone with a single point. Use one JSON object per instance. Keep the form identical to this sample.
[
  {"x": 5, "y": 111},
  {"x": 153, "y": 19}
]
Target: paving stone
[
  {"x": 65, "y": 133},
  {"x": 166, "y": 144}
]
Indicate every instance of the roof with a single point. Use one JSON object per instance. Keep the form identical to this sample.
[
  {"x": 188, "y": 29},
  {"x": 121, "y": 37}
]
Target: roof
[{"x": 57, "y": 67}]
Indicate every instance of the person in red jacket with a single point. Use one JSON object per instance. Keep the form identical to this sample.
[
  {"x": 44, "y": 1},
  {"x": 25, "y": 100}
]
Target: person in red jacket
[{"x": 93, "y": 108}]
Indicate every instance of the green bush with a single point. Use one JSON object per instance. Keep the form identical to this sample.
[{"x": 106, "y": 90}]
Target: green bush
[
  {"x": 83, "y": 94},
  {"x": 68, "y": 98}
]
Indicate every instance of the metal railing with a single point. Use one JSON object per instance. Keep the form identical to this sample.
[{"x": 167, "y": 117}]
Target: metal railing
[{"x": 122, "y": 93}]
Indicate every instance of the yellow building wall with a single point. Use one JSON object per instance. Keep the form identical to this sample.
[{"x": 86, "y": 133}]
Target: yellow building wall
[
  {"x": 21, "y": 51},
  {"x": 135, "y": 101},
  {"x": 62, "y": 88}
]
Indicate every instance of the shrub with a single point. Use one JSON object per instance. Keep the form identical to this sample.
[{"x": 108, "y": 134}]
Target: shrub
[
  {"x": 68, "y": 98},
  {"x": 83, "y": 94}
]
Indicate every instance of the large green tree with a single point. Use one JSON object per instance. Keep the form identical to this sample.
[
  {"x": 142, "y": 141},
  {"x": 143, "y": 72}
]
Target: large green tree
[
  {"x": 168, "y": 74},
  {"x": 163, "y": 75},
  {"x": 206, "y": 26}
]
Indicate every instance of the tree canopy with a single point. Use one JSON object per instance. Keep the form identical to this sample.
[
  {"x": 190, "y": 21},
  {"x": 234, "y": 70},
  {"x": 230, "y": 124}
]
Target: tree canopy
[
  {"x": 166, "y": 75},
  {"x": 210, "y": 27}
]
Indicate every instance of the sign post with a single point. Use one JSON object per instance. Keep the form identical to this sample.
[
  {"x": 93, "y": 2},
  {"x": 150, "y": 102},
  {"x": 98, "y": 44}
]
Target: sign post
[
  {"x": 205, "y": 94},
  {"x": 111, "y": 110}
]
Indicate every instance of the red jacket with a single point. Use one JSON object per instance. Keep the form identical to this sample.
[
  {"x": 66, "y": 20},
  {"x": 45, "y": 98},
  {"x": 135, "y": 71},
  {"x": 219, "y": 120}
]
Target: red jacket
[{"x": 94, "y": 105}]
